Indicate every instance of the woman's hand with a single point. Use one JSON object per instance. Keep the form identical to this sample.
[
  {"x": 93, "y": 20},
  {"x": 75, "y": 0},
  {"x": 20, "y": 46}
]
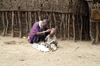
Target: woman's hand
[
  {"x": 49, "y": 30},
  {"x": 43, "y": 32}
]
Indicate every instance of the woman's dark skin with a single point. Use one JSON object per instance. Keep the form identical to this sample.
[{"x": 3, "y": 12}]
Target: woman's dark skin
[{"x": 39, "y": 33}]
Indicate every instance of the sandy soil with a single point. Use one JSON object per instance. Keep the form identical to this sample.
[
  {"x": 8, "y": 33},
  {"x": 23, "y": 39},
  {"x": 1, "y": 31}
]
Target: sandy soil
[{"x": 18, "y": 52}]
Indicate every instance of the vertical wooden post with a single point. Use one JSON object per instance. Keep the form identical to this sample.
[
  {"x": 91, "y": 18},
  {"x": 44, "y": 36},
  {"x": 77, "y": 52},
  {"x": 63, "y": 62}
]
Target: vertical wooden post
[
  {"x": 68, "y": 24},
  {"x": 20, "y": 26},
  {"x": 54, "y": 20},
  {"x": 47, "y": 15},
  {"x": 7, "y": 23},
  {"x": 61, "y": 27},
  {"x": 50, "y": 20},
  {"x": 97, "y": 32},
  {"x": 3, "y": 24},
  {"x": 81, "y": 28},
  {"x": 12, "y": 24},
  {"x": 39, "y": 15},
  {"x": 93, "y": 41},
  {"x": 73, "y": 26},
  {"x": 64, "y": 24},
  {"x": 26, "y": 25},
  {"x": 35, "y": 17},
  {"x": 30, "y": 20}
]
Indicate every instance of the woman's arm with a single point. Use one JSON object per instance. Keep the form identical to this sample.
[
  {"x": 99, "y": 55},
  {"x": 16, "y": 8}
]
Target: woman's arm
[
  {"x": 48, "y": 30},
  {"x": 40, "y": 33}
]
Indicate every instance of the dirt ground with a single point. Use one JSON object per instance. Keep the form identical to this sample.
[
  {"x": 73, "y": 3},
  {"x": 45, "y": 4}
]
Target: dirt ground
[{"x": 18, "y": 52}]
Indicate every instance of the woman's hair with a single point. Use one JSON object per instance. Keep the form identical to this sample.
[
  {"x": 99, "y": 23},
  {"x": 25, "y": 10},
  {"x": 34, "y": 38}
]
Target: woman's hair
[{"x": 46, "y": 21}]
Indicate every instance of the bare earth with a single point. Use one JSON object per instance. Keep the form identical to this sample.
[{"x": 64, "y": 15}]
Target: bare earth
[{"x": 18, "y": 52}]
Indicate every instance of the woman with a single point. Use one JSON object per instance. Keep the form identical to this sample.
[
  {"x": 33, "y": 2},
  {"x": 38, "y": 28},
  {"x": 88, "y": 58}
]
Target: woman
[{"x": 38, "y": 32}]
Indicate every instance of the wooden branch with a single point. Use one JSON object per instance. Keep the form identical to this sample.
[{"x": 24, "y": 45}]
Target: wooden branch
[
  {"x": 64, "y": 25},
  {"x": 60, "y": 16},
  {"x": 12, "y": 24},
  {"x": 7, "y": 23},
  {"x": 73, "y": 26},
  {"x": 43, "y": 11},
  {"x": 47, "y": 15},
  {"x": 61, "y": 27},
  {"x": 20, "y": 26},
  {"x": 97, "y": 32},
  {"x": 39, "y": 15},
  {"x": 30, "y": 20},
  {"x": 35, "y": 17},
  {"x": 68, "y": 24},
  {"x": 26, "y": 25},
  {"x": 55, "y": 20},
  {"x": 4, "y": 27},
  {"x": 81, "y": 27},
  {"x": 93, "y": 41},
  {"x": 50, "y": 20}
]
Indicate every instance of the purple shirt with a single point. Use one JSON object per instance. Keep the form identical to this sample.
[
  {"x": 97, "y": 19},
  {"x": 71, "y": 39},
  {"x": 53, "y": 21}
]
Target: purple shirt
[{"x": 34, "y": 30}]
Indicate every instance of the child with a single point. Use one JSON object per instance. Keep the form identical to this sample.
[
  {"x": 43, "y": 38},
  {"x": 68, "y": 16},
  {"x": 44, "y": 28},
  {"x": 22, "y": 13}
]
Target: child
[{"x": 51, "y": 40}]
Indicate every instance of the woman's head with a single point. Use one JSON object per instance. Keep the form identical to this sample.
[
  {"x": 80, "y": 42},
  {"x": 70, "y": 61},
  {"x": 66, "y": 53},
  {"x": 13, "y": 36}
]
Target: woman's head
[{"x": 45, "y": 23}]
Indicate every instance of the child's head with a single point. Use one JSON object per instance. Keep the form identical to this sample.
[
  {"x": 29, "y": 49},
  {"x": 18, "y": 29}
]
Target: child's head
[{"x": 52, "y": 32}]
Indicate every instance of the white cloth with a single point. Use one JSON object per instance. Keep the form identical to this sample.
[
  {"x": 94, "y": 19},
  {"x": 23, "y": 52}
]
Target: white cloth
[
  {"x": 40, "y": 24},
  {"x": 42, "y": 48}
]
